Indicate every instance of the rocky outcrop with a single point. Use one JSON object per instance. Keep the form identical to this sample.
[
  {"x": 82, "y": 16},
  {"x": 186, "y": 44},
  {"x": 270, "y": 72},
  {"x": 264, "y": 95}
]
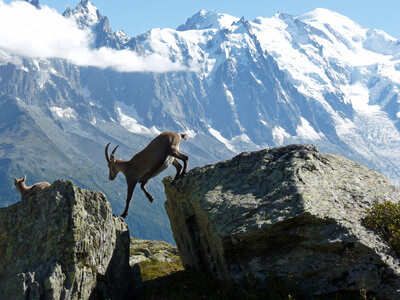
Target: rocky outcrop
[
  {"x": 288, "y": 212},
  {"x": 64, "y": 243}
]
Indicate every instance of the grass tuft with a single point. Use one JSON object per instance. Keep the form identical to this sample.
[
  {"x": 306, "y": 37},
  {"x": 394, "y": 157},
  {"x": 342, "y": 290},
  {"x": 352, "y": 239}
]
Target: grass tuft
[{"x": 385, "y": 219}]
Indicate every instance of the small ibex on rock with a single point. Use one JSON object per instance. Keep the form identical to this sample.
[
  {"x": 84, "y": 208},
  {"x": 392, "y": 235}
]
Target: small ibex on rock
[
  {"x": 151, "y": 161},
  {"x": 28, "y": 191}
]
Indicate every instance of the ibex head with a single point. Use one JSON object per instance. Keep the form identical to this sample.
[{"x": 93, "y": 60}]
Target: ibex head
[
  {"x": 19, "y": 182},
  {"x": 111, "y": 163}
]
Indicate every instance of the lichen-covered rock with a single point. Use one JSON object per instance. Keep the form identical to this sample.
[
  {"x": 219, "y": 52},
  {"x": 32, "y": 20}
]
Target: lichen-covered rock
[
  {"x": 64, "y": 243},
  {"x": 288, "y": 212},
  {"x": 145, "y": 250}
]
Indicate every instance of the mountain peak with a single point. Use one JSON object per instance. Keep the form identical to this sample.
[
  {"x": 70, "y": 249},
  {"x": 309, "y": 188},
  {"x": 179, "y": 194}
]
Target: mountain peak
[
  {"x": 208, "y": 20},
  {"x": 326, "y": 16},
  {"x": 85, "y": 14}
]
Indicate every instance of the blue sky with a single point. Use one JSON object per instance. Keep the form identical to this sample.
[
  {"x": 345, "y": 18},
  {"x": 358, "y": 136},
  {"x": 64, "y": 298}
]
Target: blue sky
[{"x": 136, "y": 17}]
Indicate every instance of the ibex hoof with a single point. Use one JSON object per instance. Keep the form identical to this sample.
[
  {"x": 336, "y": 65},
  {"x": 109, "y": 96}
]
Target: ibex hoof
[
  {"x": 124, "y": 216},
  {"x": 151, "y": 198},
  {"x": 179, "y": 176}
]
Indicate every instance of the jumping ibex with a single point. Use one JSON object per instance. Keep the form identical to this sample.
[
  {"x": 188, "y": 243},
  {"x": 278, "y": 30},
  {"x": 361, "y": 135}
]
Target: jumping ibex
[
  {"x": 151, "y": 161},
  {"x": 28, "y": 191}
]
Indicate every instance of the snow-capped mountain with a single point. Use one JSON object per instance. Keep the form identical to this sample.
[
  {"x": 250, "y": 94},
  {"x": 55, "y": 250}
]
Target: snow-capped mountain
[
  {"x": 317, "y": 78},
  {"x": 87, "y": 16}
]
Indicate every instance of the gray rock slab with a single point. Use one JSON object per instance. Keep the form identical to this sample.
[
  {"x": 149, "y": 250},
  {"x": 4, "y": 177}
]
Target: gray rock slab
[
  {"x": 288, "y": 212},
  {"x": 64, "y": 243}
]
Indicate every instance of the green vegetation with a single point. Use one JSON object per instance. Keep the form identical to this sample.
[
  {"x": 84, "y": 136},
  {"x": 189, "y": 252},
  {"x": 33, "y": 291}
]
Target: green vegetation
[
  {"x": 385, "y": 219},
  {"x": 156, "y": 259},
  {"x": 153, "y": 268}
]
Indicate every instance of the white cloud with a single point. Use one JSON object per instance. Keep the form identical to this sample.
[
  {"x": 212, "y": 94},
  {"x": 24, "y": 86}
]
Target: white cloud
[{"x": 44, "y": 33}]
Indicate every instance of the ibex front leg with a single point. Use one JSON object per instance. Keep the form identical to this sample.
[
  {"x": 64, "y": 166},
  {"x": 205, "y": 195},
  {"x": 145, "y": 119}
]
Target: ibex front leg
[{"x": 131, "y": 187}]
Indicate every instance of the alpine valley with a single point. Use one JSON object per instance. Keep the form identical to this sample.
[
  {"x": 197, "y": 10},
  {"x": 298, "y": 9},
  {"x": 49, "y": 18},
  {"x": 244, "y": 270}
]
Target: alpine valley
[{"x": 318, "y": 78}]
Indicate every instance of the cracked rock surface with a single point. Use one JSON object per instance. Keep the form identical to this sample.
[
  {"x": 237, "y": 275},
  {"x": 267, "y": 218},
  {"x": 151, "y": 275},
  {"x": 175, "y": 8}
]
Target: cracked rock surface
[
  {"x": 64, "y": 243},
  {"x": 288, "y": 211}
]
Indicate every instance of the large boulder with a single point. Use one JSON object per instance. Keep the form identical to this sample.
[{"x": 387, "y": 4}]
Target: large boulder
[
  {"x": 64, "y": 243},
  {"x": 290, "y": 212}
]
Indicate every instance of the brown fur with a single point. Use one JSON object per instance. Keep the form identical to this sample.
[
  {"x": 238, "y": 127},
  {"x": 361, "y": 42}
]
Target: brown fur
[
  {"x": 148, "y": 163},
  {"x": 28, "y": 191}
]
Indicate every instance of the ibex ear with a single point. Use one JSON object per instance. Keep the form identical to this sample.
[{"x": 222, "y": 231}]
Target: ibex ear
[
  {"x": 15, "y": 180},
  {"x": 24, "y": 179}
]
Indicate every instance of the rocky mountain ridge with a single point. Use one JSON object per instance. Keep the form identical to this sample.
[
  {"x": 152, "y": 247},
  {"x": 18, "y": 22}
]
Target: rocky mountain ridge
[{"x": 247, "y": 94}]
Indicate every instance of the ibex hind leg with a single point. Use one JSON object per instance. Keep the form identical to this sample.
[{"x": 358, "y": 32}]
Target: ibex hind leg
[
  {"x": 178, "y": 167},
  {"x": 177, "y": 154},
  {"x": 146, "y": 192}
]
